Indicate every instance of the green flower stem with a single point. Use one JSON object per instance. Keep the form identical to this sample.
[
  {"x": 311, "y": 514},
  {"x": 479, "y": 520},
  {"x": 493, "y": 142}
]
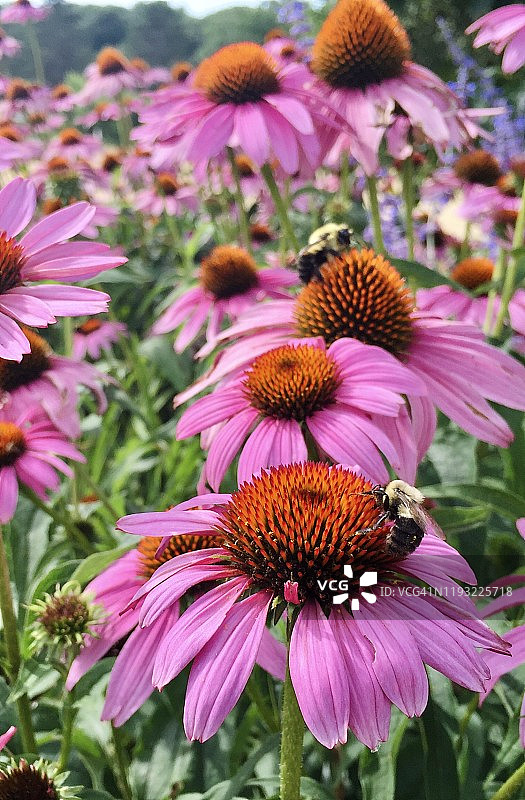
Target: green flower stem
[
  {"x": 509, "y": 284},
  {"x": 371, "y": 183},
  {"x": 499, "y": 271},
  {"x": 77, "y": 536},
  {"x": 13, "y": 650},
  {"x": 292, "y": 733},
  {"x": 408, "y": 198},
  {"x": 511, "y": 786},
  {"x": 121, "y": 766},
  {"x": 98, "y": 490},
  {"x": 465, "y": 245},
  {"x": 36, "y": 53},
  {"x": 69, "y": 713},
  {"x": 244, "y": 225},
  {"x": 280, "y": 207}
]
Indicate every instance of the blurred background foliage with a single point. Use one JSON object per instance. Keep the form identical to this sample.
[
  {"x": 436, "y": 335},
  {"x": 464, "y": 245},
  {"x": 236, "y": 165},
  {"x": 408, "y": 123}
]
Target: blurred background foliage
[{"x": 72, "y": 34}]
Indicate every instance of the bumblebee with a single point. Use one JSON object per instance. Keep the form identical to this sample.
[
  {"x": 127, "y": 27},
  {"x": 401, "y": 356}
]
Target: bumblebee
[
  {"x": 403, "y": 505},
  {"x": 324, "y": 244}
]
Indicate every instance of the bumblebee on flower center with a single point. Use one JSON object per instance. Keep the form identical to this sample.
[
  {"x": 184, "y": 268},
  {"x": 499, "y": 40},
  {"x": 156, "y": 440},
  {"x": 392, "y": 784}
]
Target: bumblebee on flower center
[
  {"x": 302, "y": 524},
  {"x": 361, "y": 296}
]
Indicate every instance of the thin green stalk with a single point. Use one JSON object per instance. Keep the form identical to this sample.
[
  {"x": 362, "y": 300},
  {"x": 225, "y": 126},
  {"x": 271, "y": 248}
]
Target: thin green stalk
[
  {"x": 465, "y": 245},
  {"x": 344, "y": 177},
  {"x": 13, "y": 650},
  {"x": 69, "y": 713},
  {"x": 121, "y": 772},
  {"x": 37, "y": 53},
  {"x": 379, "y": 243},
  {"x": 408, "y": 198},
  {"x": 511, "y": 786},
  {"x": 292, "y": 734},
  {"x": 75, "y": 534},
  {"x": 280, "y": 207},
  {"x": 509, "y": 284},
  {"x": 244, "y": 225},
  {"x": 499, "y": 271}
]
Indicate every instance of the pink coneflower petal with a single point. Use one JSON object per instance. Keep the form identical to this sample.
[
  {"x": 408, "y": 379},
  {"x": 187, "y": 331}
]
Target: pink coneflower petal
[
  {"x": 226, "y": 444},
  {"x": 68, "y": 300},
  {"x": 514, "y": 55},
  {"x": 8, "y": 493},
  {"x": 517, "y": 598},
  {"x": 370, "y": 709},
  {"x": 397, "y": 662},
  {"x": 194, "y": 629},
  {"x": 346, "y": 443},
  {"x": 165, "y": 594},
  {"x": 167, "y": 523},
  {"x": 130, "y": 683},
  {"x": 320, "y": 684},
  {"x": 229, "y": 656},
  {"x": 29, "y": 310},
  {"x": 60, "y": 225},
  {"x": 500, "y": 664},
  {"x": 250, "y": 127},
  {"x": 17, "y": 206},
  {"x": 271, "y": 656}
]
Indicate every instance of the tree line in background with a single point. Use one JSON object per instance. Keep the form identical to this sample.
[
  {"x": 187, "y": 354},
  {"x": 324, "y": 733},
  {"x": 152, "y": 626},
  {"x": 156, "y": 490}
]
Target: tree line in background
[{"x": 72, "y": 35}]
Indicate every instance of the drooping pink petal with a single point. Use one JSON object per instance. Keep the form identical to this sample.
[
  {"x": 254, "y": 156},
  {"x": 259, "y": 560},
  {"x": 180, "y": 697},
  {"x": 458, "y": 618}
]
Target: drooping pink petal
[
  {"x": 222, "y": 668},
  {"x": 8, "y": 493},
  {"x": 194, "y": 629},
  {"x": 369, "y": 717},
  {"x": 225, "y": 445},
  {"x": 320, "y": 684},
  {"x": 130, "y": 682}
]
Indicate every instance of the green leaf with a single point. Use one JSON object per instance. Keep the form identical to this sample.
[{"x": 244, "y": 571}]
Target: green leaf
[
  {"x": 227, "y": 790},
  {"x": 377, "y": 771},
  {"x": 34, "y": 679},
  {"x": 422, "y": 277},
  {"x": 95, "y": 794},
  {"x": 460, "y": 518},
  {"x": 94, "y": 564},
  {"x": 505, "y": 503},
  {"x": 440, "y": 770}
]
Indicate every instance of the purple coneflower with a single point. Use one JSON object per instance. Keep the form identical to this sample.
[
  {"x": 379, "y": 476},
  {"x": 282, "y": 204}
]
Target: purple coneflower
[
  {"x": 114, "y": 589},
  {"x": 44, "y": 379},
  {"x": 229, "y": 283},
  {"x": 240, "y": 96},
  {"x": 42, "y": 254},
  {"x": 166, "y": 192},
  {"x": 284, "y": 536},
  {"x": 362, "y": 54},
  {"x": 110, "y": 73},
  {"x": 503, "y": 29},
  {"x": 94, "y": 336},
  {"x": 307, "y": 392},
  {"x": 22, "y": 11},
  {"x": 30, "y": 446}
]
